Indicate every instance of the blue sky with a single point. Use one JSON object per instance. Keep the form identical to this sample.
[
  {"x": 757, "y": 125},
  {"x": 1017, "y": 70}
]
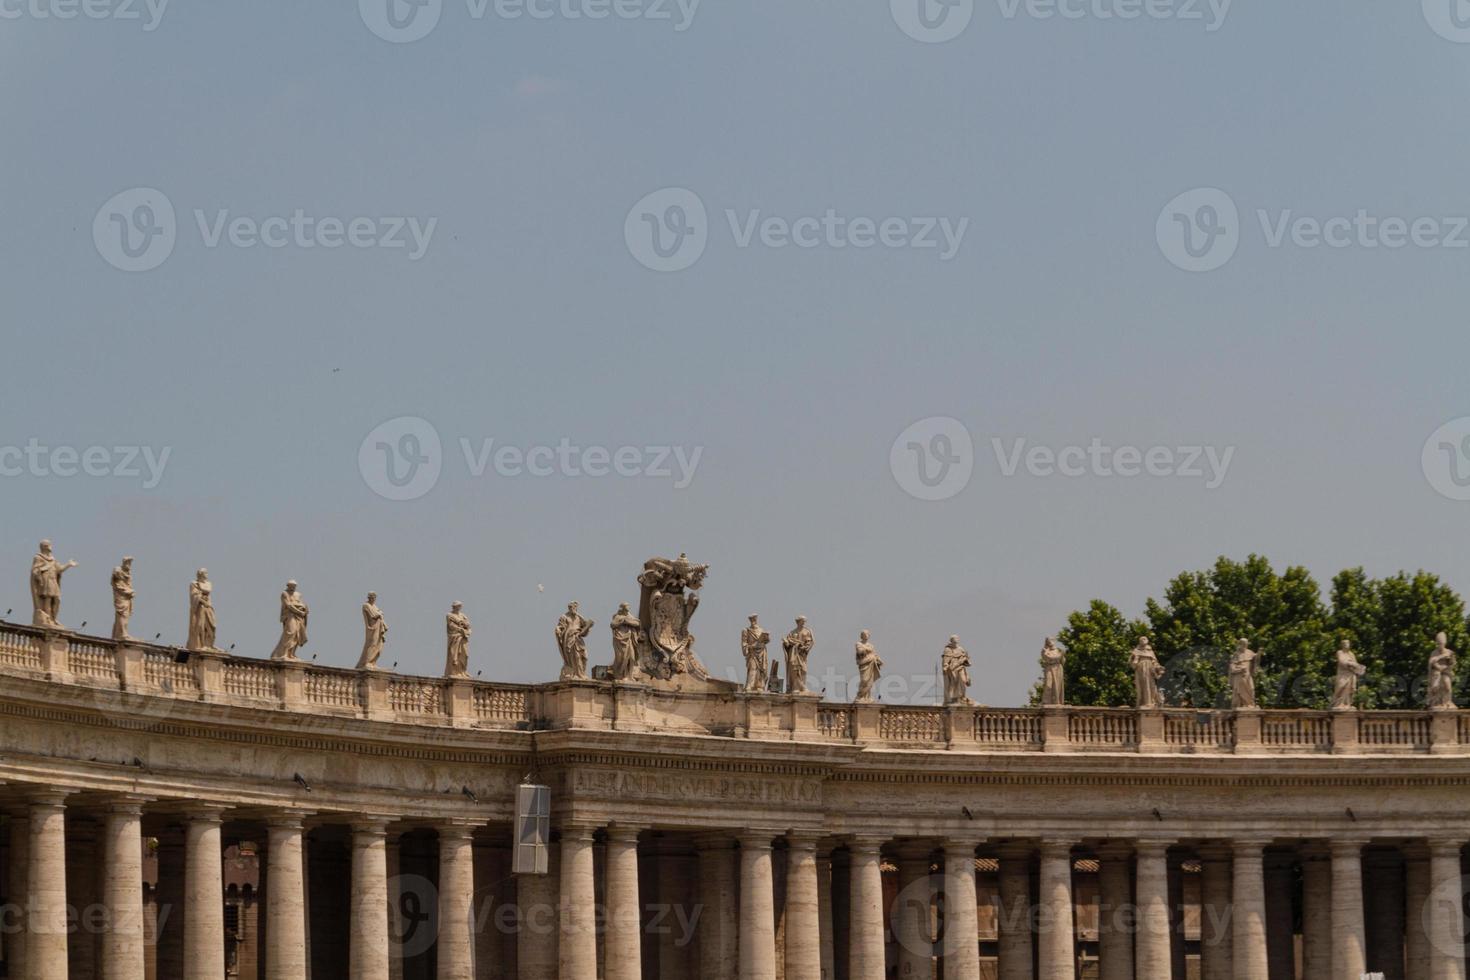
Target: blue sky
[{"x": 525, "y": 145}]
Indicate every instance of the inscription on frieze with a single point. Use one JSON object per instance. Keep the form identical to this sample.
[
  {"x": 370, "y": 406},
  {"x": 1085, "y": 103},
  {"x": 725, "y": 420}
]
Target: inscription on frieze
[{"x": 675, "y": 786}]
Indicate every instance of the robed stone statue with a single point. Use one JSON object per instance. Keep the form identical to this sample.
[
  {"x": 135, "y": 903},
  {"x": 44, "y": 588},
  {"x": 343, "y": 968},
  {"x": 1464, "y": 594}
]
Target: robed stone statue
[
  {"x": 571, "y": 639},
  {"x": 46, "y": 574},
  {"x": 1441, "y": 695},
  {"x": 1146, "y": 673},
  {"x": 1345, "y": 687},
  {"x": 375, "y": 633},
  {"x": 870, "y": 667},
  {"x": 1244, "y": 663},
  {"x": 122, "y": 599},
  {"x": 798, "y": 646},
  {"x": 294, "y": 615},
  {"x": 753, "y": 642},
  {"x": 954, "y": 664},
  {"x": 457, "y": 657},
  {"x": 201, "y": 613},
  {"x": 625, "y": 629},
  {"x": 1053, "y": 674}
]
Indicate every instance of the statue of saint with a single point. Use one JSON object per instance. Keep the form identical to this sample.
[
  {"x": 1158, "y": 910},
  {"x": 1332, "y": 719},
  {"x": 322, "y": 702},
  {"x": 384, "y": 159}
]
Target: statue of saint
[
  {"x": 870, "y": 668},
  {"x": 1348, "y": 672},
  {"x": 122, "y": 599},
  {"x": 46, "y": 574},
  {"x": 753, "y": 641},
  {"x": 1244, "y": 663},
  {"x": 375, "y": 635},
  {"x": 457, "y": 624},
  {"x": 201, "y": 613},
  {"x": 1146, "y": 673},
  {"x": 571, "y": 639},
  {"x": 1053, "y": 674},
  {"x": 293, "y": 624},
  {"x": 798, "y": 646},
  {"x": 1441, "y": 695},
  {"x": 954, "y": 663},
  {"x": 625, "y": 630}
]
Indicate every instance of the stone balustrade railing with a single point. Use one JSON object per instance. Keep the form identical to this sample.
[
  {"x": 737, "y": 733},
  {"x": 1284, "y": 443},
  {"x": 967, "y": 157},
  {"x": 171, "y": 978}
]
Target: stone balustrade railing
[{"x": 303, "y": 687}]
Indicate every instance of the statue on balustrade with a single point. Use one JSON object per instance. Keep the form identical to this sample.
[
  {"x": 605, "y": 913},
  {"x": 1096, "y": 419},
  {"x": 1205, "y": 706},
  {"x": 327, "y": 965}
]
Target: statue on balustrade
[
  {"x": 954, "y": 663},
  {"x": 293, "y": 624},
  {"x": 870, "y": 668},
  {"x": 753, "y": 642},
  {"x": 375, "y": 633},
  {"x": 1146, "y": 673},
  {"x": 1244, "y": 663},
  {"x": 46, "y": 574},
  {"x": 201, "y": 613},
  {"x": 1053, "y": 674},
  {"x": 625, "y": 630},
  {"x": 457, "y": 624},
  {"x": 798, "y": 646},
  {"x": 571, "y": 639},
  {"x": 1441, "y": 696},
  {"x": 1345, "y": 690},
  {"x": 122, "y": 599}
]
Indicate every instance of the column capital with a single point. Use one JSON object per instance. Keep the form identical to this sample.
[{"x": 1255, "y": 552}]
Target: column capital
[
  {"x": 1445, "y": 846},
  {"x": 205, "y": 812},
  {"x": 456, "y": 829},
  {"x": 286, "y": 819},
  {"x": 1345, "y": 846},
  {"x": 1152, "y": 847},
  {"x": 624, "y": 833},
  {"x": 371, "y": 825},
  {"x": 1055, "y": 847},
  {"x": 757, "y": 838},
  {"x": 953, "y": 842},
  {"x": 866, "y": 843},
  {"x": 1248, "y": 847},
  {"x": 802, "y": 840},
  {"x": 50, "y": 799},
  {"x": 578, "y": 829},
  {"x": 127, "y": 803}
]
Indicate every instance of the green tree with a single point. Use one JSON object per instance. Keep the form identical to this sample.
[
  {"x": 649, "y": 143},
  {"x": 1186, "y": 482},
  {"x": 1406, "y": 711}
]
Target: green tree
[
  {"x": 1392, "y": 623},
  {"x": 1097, "y": 643}
]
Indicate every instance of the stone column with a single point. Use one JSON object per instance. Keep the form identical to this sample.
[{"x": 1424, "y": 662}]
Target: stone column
[
  {"x": 1349, "y": 938},
  {"x": 1248, "y": 927},
  {"x": 1116, "y": 916},
  {"x": 19, "y": 888},
  {"x": 1316, "y": 912},
  {"x": 911, "y": 910},
  {"x": 824, "y": 912},
  {"x": 1215, "y": 940},
  {"x": 961, "y": 916},
  {"x": 84, "y": 891},
  {"x": 122, "y": 858},
  {"x": 623, "y": 941},
  {"x": 1014, "y": 913},
  {"x": 285, "y": 899},
  {"x": 536, "y": 942},
  {"x": 578, "y": 951},
  {"x": 866, "y": 953},
  {"x": 204, "y": 888},
  {"x": 1383, "y": 913},
  {"x": 757, "y": 912},
  {"x": 456, "y": 895},
  {"x": 1152, "y": 951},
  {"x": 46, "y": 931},
  {"x": 1058, "y": 959},
  {"x": 1416, "y": 927},
  {"x": 718, "y": 929},
  {"x": 368, "y": 945},
  {"x": 1443, "y": 911},
  {"x": 803, "y": 921}
]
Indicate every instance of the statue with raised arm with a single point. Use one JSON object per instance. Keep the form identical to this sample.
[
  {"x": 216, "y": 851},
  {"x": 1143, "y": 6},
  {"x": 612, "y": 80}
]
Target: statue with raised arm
[
  {"x": 457, "y": 625},
  {"x": 375, "y": 633},
  {"x": 1146, "y": 673},
  {"x": 1345, "y": 689},
  {"x": 870, "y": 667},
  {"x": 625, "y": 630},
  {"x": 1244, "y": 663},
  {"x": 1053, "y": 674},
  {"x": 46, "y": 574},
  {"x": 954, "y": 664},
  {"x": 293, "y": 624},
  {"x": 201, "y": 613},
  {"x": 1441, "y": 694},
  {"x": 571, "y": 639},
  {"x": 753, "y": 641},
  {"x": 122, "y": 599},
  {"x": 798, "y": 646}
]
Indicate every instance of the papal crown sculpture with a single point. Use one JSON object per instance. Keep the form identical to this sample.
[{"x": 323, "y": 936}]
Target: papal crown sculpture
[{"x": 657, "y": 647}]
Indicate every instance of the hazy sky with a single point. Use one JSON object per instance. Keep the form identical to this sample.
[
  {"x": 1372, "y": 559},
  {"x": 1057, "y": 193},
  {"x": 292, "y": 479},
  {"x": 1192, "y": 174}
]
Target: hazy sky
[{"x": 1059, "y": 310}]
